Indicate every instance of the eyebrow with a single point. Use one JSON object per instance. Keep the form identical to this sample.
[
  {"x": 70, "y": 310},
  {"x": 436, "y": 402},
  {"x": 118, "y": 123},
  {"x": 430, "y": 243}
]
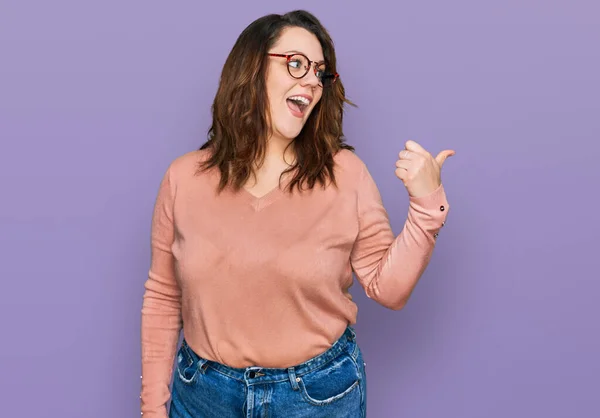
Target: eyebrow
[{"x": 293, "y": 51}]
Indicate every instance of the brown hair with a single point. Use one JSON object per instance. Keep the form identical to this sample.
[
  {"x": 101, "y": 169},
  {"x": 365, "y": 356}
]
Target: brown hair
[{"x": 240, "y": 126}]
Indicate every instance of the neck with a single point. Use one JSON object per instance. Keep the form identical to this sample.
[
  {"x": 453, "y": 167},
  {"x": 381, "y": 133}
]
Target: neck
[{"x": 279, "y": 151}]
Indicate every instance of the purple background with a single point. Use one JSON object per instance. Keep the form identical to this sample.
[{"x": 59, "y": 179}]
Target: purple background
[{"x": 97, "y": 99}]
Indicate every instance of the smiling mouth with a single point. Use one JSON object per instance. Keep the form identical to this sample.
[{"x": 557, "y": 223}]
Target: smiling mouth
[{"x": 297, "y": 105}]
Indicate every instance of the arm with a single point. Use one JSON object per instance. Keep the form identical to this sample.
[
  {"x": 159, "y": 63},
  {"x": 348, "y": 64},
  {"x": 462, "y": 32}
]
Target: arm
[
  {"x": 389, "y": 267},
  {"x": 161, "y": 309}
]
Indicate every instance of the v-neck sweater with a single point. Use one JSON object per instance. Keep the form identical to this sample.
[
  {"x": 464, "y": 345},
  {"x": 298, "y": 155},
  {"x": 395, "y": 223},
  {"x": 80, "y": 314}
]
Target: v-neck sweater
[{"x": 264, "y": 281}]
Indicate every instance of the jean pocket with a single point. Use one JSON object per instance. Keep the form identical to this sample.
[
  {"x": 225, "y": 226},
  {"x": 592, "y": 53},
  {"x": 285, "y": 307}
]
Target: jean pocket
[
  {"x": 188, "y": 364},
  {"x": 340, "y": 379}
]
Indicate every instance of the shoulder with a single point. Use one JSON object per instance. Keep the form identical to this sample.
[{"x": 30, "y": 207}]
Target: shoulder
[
  {"x": 349, "y": 165},
  {"x": 182, "y": 173},
  {"x": 354, "y": 175},
  {"x": 185, "y": 167}
]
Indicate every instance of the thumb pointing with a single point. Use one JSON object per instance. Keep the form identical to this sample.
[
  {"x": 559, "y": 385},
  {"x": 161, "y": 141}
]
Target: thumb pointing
[{"x": 443, "y": 155}]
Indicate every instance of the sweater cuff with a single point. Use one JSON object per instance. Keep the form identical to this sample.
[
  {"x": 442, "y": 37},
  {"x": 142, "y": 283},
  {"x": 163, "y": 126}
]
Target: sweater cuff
[
  {"x": 432, "y": 200},
  {"x": 431, "y": 211}
]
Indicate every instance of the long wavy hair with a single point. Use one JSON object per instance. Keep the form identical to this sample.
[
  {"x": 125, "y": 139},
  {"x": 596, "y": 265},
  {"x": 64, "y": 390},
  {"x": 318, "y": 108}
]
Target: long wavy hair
[{"x": 237, "y": 138}]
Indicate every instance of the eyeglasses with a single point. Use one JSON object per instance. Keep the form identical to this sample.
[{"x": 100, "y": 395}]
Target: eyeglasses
[{"x": 299, "y": 64}]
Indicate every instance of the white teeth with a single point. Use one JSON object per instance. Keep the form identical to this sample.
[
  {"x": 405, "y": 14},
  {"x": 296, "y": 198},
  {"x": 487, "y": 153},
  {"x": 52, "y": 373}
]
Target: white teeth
[{"x": 300, "y": 99}]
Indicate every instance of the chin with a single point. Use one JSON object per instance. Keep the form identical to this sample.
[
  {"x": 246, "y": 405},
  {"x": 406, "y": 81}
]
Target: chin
[
  {"x": 290, "y": 133},
  {"x": 289, "y": 130},
  {"x": 289, "y": 127}
]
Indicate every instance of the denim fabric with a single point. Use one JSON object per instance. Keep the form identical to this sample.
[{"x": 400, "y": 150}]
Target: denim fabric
[{"x": 332, "y": 384}]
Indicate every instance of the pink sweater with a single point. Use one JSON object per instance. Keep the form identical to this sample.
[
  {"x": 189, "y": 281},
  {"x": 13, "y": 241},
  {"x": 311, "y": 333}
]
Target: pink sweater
[{"x": 264, "y": 281}]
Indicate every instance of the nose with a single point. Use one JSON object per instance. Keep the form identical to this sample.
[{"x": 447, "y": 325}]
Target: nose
[{"x": 310, "y": 79}]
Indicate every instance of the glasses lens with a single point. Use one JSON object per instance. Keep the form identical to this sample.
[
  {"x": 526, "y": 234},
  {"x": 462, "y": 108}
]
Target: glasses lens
[{"x": 298, "y": 66}]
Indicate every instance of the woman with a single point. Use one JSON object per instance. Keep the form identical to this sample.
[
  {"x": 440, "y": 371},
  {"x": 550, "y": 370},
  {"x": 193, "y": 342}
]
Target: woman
[{"x": 255, "y": 237}]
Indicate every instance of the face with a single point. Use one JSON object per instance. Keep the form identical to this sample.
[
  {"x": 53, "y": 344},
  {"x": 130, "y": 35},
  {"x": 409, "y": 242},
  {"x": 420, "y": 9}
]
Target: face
[{"x": 292, "y": 100}]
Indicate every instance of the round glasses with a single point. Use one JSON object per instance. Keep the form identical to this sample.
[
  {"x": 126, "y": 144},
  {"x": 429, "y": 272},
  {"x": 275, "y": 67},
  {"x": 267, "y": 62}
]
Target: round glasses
[{"x": 299, "y": 64}]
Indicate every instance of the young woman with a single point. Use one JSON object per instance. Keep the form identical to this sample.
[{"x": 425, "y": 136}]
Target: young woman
[{"x": 255, "y": 237}]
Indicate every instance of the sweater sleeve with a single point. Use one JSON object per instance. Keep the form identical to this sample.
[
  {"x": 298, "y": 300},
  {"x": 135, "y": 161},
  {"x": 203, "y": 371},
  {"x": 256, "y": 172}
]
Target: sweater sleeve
[
  {"x": 161, "y": 309},
  {"x": 389, "y": 267}
]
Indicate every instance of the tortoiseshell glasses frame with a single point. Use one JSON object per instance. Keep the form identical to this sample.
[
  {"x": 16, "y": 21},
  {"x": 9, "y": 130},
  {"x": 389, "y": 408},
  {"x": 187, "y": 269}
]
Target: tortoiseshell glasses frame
[{"x": 325, "y": 79}]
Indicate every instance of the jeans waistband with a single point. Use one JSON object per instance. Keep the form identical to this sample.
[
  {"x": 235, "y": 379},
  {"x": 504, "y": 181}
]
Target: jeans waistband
[{"x": 256, "y": 374}]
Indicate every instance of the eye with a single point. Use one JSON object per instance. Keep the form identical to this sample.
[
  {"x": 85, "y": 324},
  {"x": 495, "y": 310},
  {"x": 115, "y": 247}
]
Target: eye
[{"x": 295, "y": 63}]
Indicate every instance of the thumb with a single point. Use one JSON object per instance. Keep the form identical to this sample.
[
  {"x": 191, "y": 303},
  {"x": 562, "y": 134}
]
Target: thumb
[{"x": 441, "y": 157}]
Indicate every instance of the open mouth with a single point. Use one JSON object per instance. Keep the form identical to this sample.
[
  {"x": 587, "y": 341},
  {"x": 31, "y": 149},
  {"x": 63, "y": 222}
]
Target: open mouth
[{"x": 298, "y": 104}]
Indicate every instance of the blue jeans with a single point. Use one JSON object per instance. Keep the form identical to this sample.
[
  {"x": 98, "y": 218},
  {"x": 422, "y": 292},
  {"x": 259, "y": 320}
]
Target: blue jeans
[{"x": 332, "y": 384}]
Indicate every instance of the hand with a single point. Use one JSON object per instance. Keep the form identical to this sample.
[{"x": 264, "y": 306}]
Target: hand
[{"x": 418, "y": 170}]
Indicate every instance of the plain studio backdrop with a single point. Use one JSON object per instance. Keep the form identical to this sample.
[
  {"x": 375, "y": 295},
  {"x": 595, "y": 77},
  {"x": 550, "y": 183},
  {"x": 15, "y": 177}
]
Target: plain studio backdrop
[{"x": 97, "y": 98}]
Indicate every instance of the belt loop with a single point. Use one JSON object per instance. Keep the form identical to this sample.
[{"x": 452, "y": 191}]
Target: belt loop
[
  {"x": 202, "y": 364},
  {"x": 352, "y": 333},
  {"x": 293, "y": 379},
  {"x": 186, "y": 354}
]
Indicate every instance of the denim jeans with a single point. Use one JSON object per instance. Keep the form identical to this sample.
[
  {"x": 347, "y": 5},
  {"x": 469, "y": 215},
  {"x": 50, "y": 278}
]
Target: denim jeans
[{"x": 332, "y": 384}]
